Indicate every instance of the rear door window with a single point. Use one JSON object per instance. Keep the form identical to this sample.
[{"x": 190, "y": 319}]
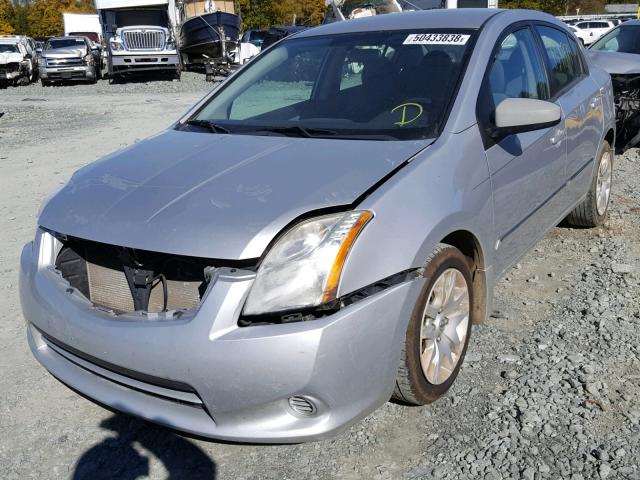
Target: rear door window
[{"x": 563, "y": 63}]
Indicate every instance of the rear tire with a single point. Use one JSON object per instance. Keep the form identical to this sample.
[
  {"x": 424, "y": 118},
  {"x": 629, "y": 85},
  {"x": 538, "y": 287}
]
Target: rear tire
[
  {"x": 592, "y": 212},
  {"x": 439, "y": 329}
]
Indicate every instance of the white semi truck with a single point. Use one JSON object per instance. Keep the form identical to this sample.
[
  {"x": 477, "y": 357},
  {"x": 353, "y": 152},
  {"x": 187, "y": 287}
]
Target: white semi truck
[{"x": 139, "y": 36}]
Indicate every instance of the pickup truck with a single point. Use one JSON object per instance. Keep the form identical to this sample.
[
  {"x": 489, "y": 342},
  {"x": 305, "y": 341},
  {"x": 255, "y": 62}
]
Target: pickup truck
[{"x": 69, "y": 58}]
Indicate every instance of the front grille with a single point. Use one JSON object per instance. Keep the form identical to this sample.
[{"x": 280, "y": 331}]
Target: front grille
[
  {"x": 99, "y": 272},
  {"x": 144, "y": 39},
  {"x": 64, "y": 62}
]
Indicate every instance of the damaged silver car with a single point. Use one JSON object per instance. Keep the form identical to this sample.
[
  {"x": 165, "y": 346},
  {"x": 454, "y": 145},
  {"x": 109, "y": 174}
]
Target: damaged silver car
[
  {"x": 320, "y": 233},
  {"x": 618, "y": 52}
]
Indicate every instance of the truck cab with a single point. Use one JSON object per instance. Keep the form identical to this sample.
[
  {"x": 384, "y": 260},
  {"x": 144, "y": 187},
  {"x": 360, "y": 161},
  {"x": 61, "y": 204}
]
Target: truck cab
[{"x": 139, "y": 37}]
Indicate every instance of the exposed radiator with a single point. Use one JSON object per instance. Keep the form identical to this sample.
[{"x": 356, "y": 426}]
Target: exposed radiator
[{"x": 97, "y": 271}]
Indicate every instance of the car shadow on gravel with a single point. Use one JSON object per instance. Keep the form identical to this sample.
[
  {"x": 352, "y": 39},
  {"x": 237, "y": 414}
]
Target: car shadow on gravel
[{"x": 121, "y": 457}]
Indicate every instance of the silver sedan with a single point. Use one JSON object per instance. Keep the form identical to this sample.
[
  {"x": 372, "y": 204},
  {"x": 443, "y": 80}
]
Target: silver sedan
[{"x": 320, "y": 232}]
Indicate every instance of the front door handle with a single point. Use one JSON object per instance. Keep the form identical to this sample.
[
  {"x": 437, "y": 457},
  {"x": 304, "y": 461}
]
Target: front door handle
[
  {"x": 602, "y": 90},
  {"x": 556, "y": 139}
]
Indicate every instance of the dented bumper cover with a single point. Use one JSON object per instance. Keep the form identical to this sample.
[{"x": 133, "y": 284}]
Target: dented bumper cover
[{"x": 201, "y": 373}]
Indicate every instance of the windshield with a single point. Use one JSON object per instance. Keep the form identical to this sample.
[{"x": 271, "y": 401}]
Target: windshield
[
  {"x": 8, "y": 48},
  {"x": 625, "y": 39},
  {"x": 390, "y": 85},
  {"x": 65, "y": 42},
  {"x": 134, "y": 18}
]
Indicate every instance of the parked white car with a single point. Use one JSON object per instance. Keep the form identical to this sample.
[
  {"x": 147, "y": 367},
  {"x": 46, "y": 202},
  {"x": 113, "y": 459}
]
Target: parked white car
[
  {"x": 592, "y": 30},
  {"x": 16, "y": 62},
  {"x": 582, "y": 35}
]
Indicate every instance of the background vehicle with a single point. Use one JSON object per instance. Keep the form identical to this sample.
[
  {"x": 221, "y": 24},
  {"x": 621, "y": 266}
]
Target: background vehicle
[
  {"x": 83, "y": 25},
  {"x": 618, "y": 52},
  {"x": 581, "y": 35},
  {"x": 255, "y": 37},
  {"x": 140, "y": 36},
  {"x": 276, "y": 34},
  {"x": 17, "y": 57},
  {"x": 592, "y": 30},
  {"x": 69, "y": 58}
]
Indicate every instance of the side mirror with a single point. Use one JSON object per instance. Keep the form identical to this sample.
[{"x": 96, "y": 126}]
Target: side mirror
[{"x": 518, "y": 115}]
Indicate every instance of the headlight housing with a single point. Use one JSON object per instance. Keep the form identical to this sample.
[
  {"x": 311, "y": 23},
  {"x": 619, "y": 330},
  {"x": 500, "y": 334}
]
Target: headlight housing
[
  {"x": 88, "y": 59},
  {"x": 304, "y": 267},
  {"x": 116, "y": 45}
]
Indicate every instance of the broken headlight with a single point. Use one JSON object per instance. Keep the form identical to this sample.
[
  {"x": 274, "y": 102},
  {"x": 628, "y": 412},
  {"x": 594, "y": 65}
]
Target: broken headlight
[{"x": 304, "y": 267}]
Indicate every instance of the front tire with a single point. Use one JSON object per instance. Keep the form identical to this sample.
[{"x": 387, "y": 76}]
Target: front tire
[
  {"x": 439, "y": 329},
  {"x": 592, "y": 212}
]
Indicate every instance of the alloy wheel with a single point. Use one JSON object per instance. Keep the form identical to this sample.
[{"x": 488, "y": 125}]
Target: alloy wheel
[
  {"x": 445, "y": 323},
  {"x": 603, "y": 183}
]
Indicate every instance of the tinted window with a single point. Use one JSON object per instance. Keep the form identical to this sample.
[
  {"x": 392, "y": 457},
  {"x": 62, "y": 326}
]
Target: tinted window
[
  {"x": 517, "y": 70},
  {"x": 564, "y": 64},
  {"x": 389, "y": 84},
  {"x": 624, "y": 39}
]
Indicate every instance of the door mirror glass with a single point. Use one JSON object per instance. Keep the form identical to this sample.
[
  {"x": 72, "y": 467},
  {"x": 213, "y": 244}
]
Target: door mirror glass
[{"x": 517, "y": 115}]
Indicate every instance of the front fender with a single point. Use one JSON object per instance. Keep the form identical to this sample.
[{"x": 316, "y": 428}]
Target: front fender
[{"x": 445, "y": 189}]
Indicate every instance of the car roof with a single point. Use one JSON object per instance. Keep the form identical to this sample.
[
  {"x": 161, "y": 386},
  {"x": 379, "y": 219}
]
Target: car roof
[
  {"x": 467, "y": 18},
  {"x": 635, "y": 22}
]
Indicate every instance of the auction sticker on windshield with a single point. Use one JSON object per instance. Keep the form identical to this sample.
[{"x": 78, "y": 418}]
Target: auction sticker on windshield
[{"x": 436, "y": 39}]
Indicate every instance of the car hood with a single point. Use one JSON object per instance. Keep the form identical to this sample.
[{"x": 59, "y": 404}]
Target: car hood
[
  {"x": 216, "y": 196},
  {"x": 10, "y": 58},
  {"x": 65, "y": 52},
  {"x": 616, "y": 62}
]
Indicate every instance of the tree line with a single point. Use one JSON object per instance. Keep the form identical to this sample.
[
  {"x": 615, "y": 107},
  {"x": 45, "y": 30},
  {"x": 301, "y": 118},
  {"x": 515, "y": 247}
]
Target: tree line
[
  {"x": 38, "y": 18},
  {"x": 43, "y": 18}
]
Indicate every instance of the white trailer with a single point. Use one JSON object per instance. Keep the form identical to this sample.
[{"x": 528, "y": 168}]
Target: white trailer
[
  {"x": 83, "y": 24},
  {"x": 140, "y": 36}
]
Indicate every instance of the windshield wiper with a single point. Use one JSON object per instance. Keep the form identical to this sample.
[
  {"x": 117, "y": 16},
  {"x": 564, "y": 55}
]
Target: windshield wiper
[
  {"x": 212, "y": 127},
  {"x": 297, "y": 131}
]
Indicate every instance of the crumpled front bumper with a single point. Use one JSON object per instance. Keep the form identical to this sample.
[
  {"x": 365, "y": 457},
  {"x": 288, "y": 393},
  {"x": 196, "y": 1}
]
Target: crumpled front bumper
[
  {"x": 203, "y": 374},
  {"x": 9, "y": 75}
]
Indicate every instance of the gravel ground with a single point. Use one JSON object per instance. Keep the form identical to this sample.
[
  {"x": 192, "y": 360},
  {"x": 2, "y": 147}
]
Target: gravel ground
[{"x": 550, "y": 388}]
